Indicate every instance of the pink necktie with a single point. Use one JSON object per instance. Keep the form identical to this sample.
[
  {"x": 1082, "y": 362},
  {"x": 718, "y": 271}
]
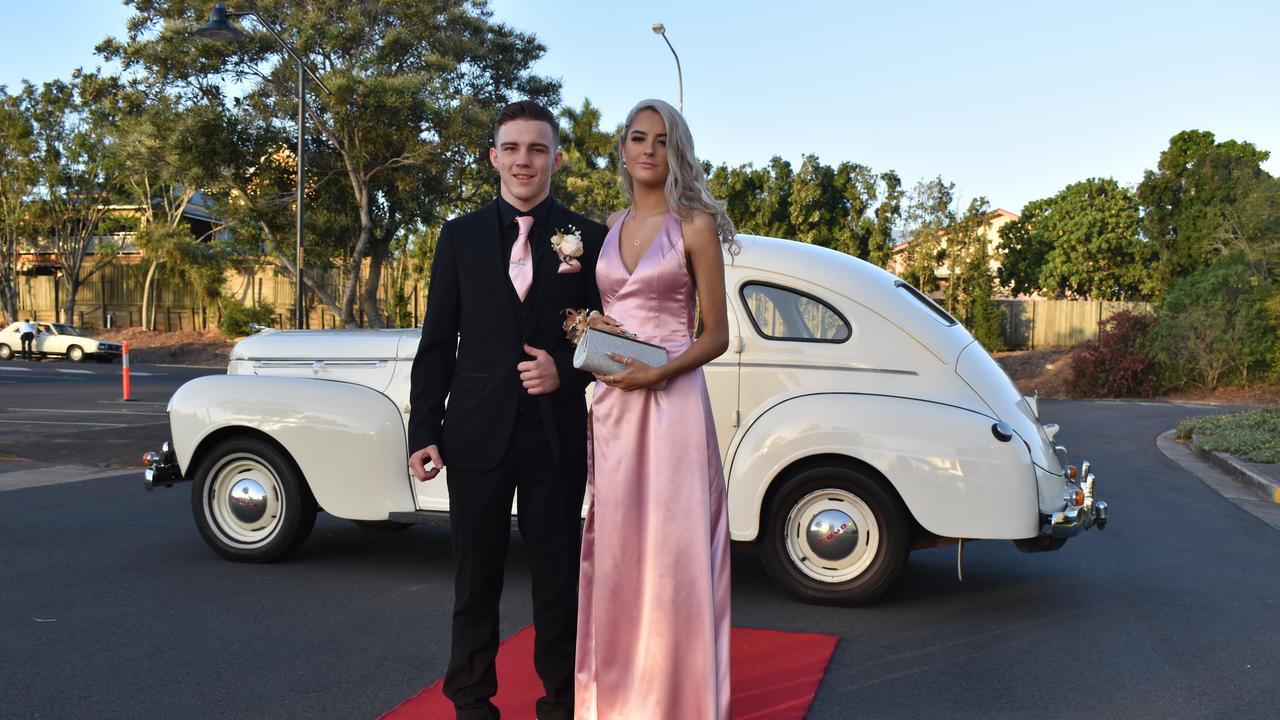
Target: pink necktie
[{"x": 521, "y": 267}]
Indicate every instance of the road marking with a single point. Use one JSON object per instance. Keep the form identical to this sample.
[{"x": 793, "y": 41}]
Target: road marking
[
  {"x": 58, "y": 474},
  {"x": 135, "y": 373},
  {"x": 78, "y": 372},
  {"x": 52, "y": 422},
  {"x": 91, "y": 412},
  {"x": 14, "y": 369}
]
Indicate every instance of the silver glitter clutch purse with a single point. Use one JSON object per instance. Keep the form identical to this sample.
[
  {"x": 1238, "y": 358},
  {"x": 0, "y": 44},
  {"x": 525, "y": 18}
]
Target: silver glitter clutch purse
[{"x": 593, "y": 351}]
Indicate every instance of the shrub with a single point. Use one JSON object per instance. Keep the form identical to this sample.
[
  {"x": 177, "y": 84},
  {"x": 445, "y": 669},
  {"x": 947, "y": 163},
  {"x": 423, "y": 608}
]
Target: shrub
[
  {"x": 235, "y": 316},
  {"x": 1252, "y": 435},
  {"x": 1117, "y": 364},
  {"x": 1212, "y": 329}
]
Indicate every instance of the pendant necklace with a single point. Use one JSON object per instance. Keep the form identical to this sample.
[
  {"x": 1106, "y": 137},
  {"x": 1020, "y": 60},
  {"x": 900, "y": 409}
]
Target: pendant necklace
[{"x": 635, "y": 240}]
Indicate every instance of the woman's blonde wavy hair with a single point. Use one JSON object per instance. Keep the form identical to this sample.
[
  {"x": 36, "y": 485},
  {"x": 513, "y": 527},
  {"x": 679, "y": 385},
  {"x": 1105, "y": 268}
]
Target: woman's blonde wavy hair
[{"x": 686, "y": 188}]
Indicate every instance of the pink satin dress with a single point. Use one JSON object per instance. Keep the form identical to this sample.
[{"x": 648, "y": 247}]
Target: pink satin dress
[{"x": 653, "y": 612}]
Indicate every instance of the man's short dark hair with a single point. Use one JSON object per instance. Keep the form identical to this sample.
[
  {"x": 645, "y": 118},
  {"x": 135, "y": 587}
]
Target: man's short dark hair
[{"x": 526, "y": 110}]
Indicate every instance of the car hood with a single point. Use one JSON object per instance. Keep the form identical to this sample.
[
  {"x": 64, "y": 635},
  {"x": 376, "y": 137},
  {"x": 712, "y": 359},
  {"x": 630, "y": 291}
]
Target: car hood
[{"x": 322, "y": 345}]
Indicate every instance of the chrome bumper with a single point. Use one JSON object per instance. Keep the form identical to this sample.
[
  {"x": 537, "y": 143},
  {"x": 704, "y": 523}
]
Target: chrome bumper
[
  {"x": 162, "y": 468},
  {"x": 1074, "y": 519}
]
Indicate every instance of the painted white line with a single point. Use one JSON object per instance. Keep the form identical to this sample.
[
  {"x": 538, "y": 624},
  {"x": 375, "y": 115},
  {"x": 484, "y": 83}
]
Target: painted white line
[
  {"x": 135, "y": 402},
  {"x": 91, "y": 412},
  {"x": 57, "y": 475},
  {"x": 135, "y": 373},
  {"x": 14, "y": 369},
  {"x": 51, "y": 422},
  {"x": 78, "y": 372}
]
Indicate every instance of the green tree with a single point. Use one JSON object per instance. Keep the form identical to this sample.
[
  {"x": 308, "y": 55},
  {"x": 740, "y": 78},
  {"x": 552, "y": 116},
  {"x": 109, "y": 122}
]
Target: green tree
[
  {"x": 415, "y": 85},
  {"x": 588, "y": 181},
  {"x": 970, "y": 282},
  {"x": 929, "y": 210},
  {"x": 18, "y": 177},
  {"x": 1082, "y": 242},
  {"x": 165, "y": 152},
  {"x": 73, "y": 122},
  {"x": 1200, "y": 202},
  {"x": 1213, "y": 328}
]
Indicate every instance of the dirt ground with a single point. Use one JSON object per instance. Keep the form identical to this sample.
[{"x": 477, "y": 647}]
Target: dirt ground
[
  {"x": 1047, "y": 370},
  {"x": 201, "y": 349}
]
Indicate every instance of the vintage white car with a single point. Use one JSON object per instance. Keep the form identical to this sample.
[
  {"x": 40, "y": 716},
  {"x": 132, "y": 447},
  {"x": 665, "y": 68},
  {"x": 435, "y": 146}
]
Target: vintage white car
[
  {"x": 858, "y": 420},
  {"x": 59, "y": 339}
]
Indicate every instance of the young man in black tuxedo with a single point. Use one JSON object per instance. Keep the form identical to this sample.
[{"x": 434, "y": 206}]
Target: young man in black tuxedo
[{"x": 493, "y": 343}]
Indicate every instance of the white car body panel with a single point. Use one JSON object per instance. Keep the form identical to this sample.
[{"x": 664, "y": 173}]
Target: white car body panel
[{"x": 348, "y": 441}]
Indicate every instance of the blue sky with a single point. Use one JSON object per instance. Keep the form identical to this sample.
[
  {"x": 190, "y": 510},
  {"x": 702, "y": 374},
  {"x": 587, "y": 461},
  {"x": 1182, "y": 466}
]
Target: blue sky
[{"x": 1011, "y": 100}]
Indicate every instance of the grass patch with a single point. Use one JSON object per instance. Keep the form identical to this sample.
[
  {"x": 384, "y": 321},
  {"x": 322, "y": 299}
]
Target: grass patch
[{"x": 1252, "y": 435}]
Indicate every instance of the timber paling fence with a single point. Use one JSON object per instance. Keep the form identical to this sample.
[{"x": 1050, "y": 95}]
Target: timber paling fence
[
  {"x": 113, "y": 297},
  {"x": 1032, "y": 324}
]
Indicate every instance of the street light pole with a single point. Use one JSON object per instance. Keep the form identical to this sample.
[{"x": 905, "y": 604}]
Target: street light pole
[
  {"x": 219, "y": 28},
  {"x": 660, "y": 29}
]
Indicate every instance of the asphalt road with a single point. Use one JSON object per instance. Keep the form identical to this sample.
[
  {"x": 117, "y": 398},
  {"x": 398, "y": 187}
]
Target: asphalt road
[
  {"x": 63, "y": 413},
  {"x": 112, "y": 607}
]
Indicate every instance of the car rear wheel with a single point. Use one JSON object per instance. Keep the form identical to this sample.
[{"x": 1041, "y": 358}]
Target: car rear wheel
[
  {"x": 75, "y": 353},
  {"x": 835, "y": 535},
  {"x": 6, "y": 352},
  {"x": 250, "y": 502}
]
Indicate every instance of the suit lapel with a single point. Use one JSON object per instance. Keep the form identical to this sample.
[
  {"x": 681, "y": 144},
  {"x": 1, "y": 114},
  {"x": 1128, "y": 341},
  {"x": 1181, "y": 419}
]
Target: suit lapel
[{"x": 495, "y": 262}]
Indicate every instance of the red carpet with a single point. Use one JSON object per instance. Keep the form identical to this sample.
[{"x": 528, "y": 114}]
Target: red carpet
[{"x": 774, "y": 677}]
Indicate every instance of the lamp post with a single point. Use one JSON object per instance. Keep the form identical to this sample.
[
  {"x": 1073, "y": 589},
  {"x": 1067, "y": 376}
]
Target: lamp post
[
  {"x": 220, "y": 29},
  {"x": 660, "y": 29}
]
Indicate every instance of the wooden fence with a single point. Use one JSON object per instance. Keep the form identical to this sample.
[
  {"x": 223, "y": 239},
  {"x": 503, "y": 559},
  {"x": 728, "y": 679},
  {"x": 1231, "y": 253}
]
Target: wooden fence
[
  {"x": 113, "y": 298},
  {"x": 1030, "y": 324}
]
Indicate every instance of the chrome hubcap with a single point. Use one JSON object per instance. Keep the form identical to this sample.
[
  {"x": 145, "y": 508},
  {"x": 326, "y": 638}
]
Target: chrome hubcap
[
  {"x": 247, "y": 501},
  {"x": 244, "y": 500},
  {"x": 832, "y": 535}
]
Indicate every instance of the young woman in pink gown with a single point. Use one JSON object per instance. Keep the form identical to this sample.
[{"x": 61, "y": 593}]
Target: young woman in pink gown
[{"x": 653, "y": 612}]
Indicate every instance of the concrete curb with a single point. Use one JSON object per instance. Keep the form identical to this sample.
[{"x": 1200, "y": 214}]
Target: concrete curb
[{"x": 1268, "y": 487}]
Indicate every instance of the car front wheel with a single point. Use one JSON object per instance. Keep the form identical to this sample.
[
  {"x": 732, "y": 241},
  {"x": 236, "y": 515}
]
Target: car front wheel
[
  {"x": 835, "y": 535},
  {"x": 75, "y": 353},
  {"x": 6, "y": 352},
  {"x": 250, "y": 502}
]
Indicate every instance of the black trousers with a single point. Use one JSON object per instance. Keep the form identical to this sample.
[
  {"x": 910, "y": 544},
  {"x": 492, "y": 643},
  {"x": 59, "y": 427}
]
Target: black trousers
[
  {"x": 550, "y": 503},
  {"x": 28, "y": 340}
]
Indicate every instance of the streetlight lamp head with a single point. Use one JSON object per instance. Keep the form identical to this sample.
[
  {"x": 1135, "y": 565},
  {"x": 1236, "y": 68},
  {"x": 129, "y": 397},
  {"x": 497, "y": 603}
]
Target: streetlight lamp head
[
  {"x": 219, "y": 27},
  {"x": 659, "y": 29}
]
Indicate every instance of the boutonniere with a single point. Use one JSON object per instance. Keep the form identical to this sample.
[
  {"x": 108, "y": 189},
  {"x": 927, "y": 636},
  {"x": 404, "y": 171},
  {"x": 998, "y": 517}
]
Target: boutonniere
[{"x": 568, "y": 247}]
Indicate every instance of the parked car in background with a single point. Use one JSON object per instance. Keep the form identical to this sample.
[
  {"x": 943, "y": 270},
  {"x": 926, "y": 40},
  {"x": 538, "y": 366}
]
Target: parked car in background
[
  {"x": 61, "y": 340},
  {"x": 857, "y": 419}
]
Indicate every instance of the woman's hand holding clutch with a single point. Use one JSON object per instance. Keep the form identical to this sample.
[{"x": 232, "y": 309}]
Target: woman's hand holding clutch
[{"x": 635, "y": 376}]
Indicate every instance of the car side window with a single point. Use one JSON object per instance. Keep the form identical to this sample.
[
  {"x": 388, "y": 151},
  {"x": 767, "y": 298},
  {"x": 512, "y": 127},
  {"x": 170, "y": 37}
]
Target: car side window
[{"x": 780, "y": 313}]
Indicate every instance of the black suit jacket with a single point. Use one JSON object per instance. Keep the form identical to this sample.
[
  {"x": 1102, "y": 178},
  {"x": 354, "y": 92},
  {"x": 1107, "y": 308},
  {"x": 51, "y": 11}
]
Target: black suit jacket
[{"x": 473, "y": 337}]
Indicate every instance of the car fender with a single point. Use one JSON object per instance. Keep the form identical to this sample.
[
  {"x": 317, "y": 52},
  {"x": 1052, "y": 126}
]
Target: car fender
[
  {"x": 348, "y": 440},
  {"x": 951, "y": 472}
]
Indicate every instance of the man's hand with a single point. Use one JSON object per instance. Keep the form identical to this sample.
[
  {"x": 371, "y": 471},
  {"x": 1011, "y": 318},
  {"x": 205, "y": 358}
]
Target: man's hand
[
  {"x": 539, "y": 375},
  {"x": 418, "y": 460}
]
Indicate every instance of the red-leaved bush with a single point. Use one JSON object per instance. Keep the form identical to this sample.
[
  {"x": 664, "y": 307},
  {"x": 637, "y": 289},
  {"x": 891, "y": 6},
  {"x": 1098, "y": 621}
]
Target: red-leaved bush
[{"x": 1117, "y": 364}]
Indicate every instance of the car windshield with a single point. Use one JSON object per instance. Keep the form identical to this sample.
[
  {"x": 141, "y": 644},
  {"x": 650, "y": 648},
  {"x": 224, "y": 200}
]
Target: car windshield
[{"x": 61, "y": 329}]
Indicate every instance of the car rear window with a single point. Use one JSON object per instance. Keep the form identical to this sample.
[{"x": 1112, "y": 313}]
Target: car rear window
[
  {"x": 781, "y": 313},
  {"x": 933, "y": 307}
]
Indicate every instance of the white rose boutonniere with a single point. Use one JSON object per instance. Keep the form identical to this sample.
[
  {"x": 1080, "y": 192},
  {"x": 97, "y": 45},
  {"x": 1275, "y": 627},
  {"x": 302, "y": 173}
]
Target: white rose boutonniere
[{"x": 568, "y": 247}]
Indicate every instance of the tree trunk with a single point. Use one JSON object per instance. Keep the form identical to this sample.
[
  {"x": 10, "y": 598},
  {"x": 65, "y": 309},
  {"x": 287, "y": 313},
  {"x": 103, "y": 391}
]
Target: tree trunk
[
  {"x": 146, "y": 296},
  {"x": 353, "y": 280},
  {"x": 372, "y": 314}
]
